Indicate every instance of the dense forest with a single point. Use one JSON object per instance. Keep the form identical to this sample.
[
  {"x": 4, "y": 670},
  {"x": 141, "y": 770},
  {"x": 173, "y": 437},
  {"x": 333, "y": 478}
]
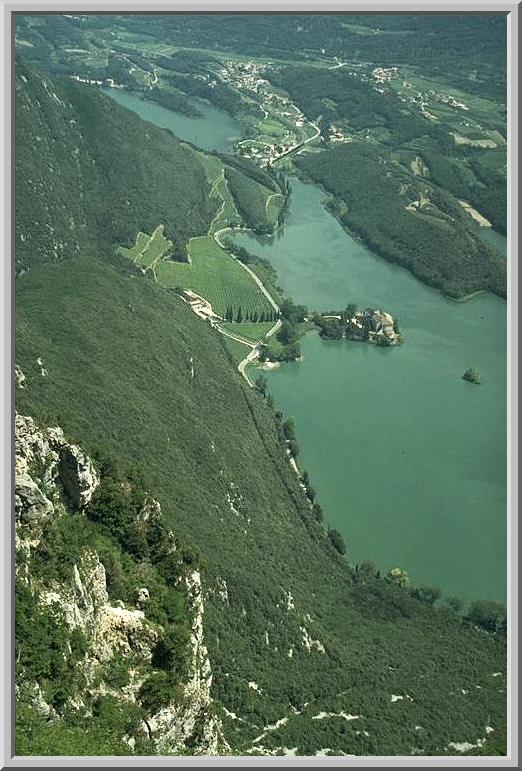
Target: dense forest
[
  {"x": 405, "y": 220},
  {"x": 115, "y": 157},
  {"x": 473, "y": 173}
]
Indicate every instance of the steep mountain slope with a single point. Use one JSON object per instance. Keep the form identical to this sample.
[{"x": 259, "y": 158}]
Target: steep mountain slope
[
  {"x": 95, "y": 174},
  {"x": 307, "y": 653},
  {"x": 109, "y": 612}
]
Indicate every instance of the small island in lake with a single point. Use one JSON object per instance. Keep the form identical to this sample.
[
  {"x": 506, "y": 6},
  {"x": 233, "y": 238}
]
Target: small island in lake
[
  {"x": 472, "y": 376},
  {"x": 370, "y": 326}
]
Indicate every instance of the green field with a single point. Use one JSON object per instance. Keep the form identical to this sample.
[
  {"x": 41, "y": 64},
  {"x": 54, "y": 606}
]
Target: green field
[
  {"x": 271, "y": 128},
  {"x": 215, "y": 276},
  {"x": 148, "y": 250},
  {"x": 227, "y": 215},
  {"x": 237, "y": 350},
  {"x": 226, "y": 212},
  {"x": 273, "y": 207},
  {"x": 251, "y": 330}
]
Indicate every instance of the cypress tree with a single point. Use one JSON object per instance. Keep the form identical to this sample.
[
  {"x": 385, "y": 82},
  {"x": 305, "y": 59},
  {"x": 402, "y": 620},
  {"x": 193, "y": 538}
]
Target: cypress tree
[{"x": 239, "y": 315}]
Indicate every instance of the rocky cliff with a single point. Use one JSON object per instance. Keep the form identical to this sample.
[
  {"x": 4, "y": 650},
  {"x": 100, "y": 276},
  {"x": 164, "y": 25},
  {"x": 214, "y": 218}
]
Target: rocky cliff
[{"x": 56, "y": 480}]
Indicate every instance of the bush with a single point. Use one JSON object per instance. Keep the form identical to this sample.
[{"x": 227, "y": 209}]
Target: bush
[
  {"x": 156, "y": 692},
  {"x": 489, "y": 615},
  {"x": 428, "y": 594},
  {"x": 337, "y": 540},
  {"x": 170, "y": 653}
]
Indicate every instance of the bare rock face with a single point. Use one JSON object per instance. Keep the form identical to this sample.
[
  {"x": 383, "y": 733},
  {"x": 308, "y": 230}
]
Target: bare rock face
[
  {"x": 77, "y": 475},
  {"x": 42, "y": 459},
  {"x": 109, "y": 629},
  {"x": 172, "y": 726},
  {"x": 54, "y": 477},
  {"x": 32, "y": 507},
  {"x": 19, "y": 377}
]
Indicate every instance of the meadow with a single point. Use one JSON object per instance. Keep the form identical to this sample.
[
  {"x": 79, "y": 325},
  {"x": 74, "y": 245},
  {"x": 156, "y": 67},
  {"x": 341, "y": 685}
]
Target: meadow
[{"x": 148, "y": 250}]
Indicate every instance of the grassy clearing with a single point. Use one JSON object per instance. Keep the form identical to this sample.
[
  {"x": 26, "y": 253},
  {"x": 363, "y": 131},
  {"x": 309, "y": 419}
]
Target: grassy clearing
[
  {"x": 273, "y": 206},
  {"x": 148, "y": 250},
  {"x": 251, "y": 330},
  {"x": 271, "y": 128},
  {"x": 237, "y": 350},
  {"x": 216, "y": 276},
  {"x": 226, "y": 211},
  {"x": 227, "y": 215}
]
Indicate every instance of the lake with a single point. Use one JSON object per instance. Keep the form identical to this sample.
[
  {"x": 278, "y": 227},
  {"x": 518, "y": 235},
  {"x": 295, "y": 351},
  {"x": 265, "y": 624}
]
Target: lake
[
  {"x": 214, "y": 130},
  {"x": 408, "y": 460}
]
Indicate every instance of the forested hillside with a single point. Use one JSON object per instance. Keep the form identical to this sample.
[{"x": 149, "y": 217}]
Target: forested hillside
[
  {"x": 309, "y": 653},
  {"x": 95, "y": 174},
  {"x": 406, "y": 219}
]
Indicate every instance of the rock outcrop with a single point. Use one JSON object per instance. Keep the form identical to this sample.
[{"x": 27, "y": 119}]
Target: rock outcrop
[
  {"x": 195, "y": 721},
  {"x": 55, "y": 478},
  {"x": 45, "y": 466}
]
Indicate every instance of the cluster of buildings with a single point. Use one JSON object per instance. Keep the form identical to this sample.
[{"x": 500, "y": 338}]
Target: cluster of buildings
[
  {"x": 336, "y": 135},
  {"x": 379, "y": 326},
  {"x": 248, "y": 77},
  {"x": 385, "y": 74},
  {"x": 107, "y": 82}
]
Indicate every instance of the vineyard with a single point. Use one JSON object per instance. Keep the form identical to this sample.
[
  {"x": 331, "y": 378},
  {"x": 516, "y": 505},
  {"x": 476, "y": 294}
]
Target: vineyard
[
  {"x": 212, "y": 272},
  {"x": 216, "y": 276},
  {"x": 148, "y": 250}
]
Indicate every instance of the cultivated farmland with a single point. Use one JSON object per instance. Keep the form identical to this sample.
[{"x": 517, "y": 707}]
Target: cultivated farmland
[
  {"x": 216, "y": 276},
  {"x": 148, "y": 250}
]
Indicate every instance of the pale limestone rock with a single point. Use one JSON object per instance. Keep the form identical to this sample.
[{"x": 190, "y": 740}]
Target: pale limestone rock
[
  {"x": 142, "y": 596},
  {"x": 46, "y": 457},
  {"x": 171, "y": 726},
  {"x": 77, "y": 475},
  {"x": 19, "y": 377},
  {"x": 31, "y": 505}
]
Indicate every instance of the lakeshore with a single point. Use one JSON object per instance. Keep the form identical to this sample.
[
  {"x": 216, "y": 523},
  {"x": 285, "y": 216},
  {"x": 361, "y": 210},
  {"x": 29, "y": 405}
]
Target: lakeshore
[{"x": 436, "y": 480}]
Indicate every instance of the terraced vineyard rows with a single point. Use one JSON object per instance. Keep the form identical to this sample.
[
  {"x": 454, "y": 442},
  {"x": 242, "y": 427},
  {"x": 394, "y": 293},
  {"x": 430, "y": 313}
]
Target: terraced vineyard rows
[{"x": 216, "y": 276}]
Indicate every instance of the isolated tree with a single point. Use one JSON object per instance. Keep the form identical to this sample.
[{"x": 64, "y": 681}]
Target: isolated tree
[
  {"x": 489, "y": 615},
  {"x": 398, "y": 576},
  {"x": 472, "y": 376},
  {"x": 351, "y": 310}
]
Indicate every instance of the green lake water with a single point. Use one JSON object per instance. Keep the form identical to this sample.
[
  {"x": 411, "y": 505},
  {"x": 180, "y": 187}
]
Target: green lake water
[
  {"x": 214, "y": 130},
  {"x": 408, "y": 460}
]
